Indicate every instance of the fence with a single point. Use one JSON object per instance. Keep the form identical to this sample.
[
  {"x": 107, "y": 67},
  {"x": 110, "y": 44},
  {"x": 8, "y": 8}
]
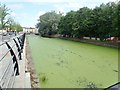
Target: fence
[{"x": 10, "y": 53}]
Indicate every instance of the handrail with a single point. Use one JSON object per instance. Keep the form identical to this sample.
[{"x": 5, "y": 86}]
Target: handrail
[
  {"x": 11, "y": 67},
  {"x": 5, "y": 54},
  {"x": 5, "y": 70}
]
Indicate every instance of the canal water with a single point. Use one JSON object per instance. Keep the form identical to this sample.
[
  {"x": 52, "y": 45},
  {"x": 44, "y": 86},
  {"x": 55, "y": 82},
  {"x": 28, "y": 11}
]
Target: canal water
[{"x": 68, "y": 64}]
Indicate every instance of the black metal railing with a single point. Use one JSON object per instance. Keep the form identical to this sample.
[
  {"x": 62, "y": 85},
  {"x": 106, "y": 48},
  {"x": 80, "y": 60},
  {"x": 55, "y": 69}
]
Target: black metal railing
[{"x": 10, "y": 53}]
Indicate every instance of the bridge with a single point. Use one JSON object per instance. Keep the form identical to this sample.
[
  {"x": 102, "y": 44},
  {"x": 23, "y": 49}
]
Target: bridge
[{"x": 13, "y": 67}]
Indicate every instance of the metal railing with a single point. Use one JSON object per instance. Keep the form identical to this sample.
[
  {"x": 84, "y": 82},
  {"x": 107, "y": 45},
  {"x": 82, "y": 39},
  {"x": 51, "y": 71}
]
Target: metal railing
[{"x": 10, "y": 53}]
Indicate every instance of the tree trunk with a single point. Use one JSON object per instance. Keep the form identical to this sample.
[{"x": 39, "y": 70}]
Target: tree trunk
[
  {"x": 90, "y": 37},
  {"x": 95, "y": 38}
]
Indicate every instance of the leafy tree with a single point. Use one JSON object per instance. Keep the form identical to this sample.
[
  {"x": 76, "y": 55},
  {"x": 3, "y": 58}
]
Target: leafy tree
[
  {"x": 101, "y": 22},
  {"x": 83, "y": 21},
  {"x": 16, "y": 27},
  {"x": 48, "y": 23},
  {"x": 11, "y": 22},
  {"x": 116, "y": 20},
  {"x": 66, "y": 24},
  {"x": 4, "y": 12}
]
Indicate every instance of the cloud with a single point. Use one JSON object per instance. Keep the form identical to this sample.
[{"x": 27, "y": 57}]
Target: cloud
[
  {"x": 56, "y": 1},
  {"x": 27, "y": 19},
  {"x": 76, "y": 4},
  {"x": 13, "y": 14},
  {"x": 67, "y": 1},
  {"x": 73, "y": 5},
  {"x": 42, "y": 1},
  {"x": 59, "y": 7},
  {"x": 62, "y": 7},
  {"x": 60, "y": 10},
  {"x": 12, "y": 0},
  {"x": 15, "y": 6},
  {"x": 50, "y": 1},
  {"x": 24, "y": 15},
  {"x": 40, "y": 13}
]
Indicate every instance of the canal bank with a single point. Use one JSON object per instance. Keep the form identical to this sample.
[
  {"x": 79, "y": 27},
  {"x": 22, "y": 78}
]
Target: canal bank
[
  {"x": 30, "y": 67},
  {"x": 111, "y": 44}
]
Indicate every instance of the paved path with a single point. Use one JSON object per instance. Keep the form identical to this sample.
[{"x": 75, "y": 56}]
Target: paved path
[
  {"x": 7, "y": 37},
  {"x": 22, "y": 80}
]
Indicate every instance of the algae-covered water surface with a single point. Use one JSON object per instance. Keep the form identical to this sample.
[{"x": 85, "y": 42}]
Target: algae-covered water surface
[{"x": 68, "y": 64}]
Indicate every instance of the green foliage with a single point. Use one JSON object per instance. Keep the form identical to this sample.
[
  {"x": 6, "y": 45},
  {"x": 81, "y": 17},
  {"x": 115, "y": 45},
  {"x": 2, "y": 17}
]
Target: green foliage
[
  {"x": 4, "y": 12},
  {"x": 66, "y": 23},
  {"x": 8, "y": 22},
  {"x": 43, "y": 77},
  {"x": 100, "y": 22},
  {"x": 48, "y": 23},
  {"x": 92, "y": 86},
  {"x": 17, "y": 27}
]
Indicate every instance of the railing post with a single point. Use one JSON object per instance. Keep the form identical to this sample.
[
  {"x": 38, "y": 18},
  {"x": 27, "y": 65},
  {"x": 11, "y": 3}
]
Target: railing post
[
  {"x": 19, "y": 42},
  {"x": 14, "y": 58},
  {"x": 19, "y": 50},
  {"x": 23, "y": 39}
]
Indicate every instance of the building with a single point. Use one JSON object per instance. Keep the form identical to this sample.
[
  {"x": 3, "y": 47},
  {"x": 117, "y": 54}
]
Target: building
[{"x": 30, "y": 30}]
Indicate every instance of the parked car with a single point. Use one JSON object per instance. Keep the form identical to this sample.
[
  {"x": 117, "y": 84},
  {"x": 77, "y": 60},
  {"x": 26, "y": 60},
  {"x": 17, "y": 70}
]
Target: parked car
[{"x": 112, "y": 39}]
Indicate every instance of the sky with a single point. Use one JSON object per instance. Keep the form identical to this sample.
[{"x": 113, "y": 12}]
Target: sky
[{"x": 27, "y": 12}]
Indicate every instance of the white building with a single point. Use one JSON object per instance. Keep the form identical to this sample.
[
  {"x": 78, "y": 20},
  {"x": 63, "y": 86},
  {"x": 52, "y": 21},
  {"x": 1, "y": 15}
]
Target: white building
[{"x": 30, "y": 30}]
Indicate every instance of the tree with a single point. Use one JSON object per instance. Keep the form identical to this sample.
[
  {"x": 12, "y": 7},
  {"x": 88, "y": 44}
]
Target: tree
[
  {"x": 83, "y": 16},
  {"x": 16, "y": 27},
  {"x": 101, "y": 22},
  {"x": 48, "y": 23},
  {"x": 104, "y": 20},
  {"x": 4, "y": 12},
  {"x": 116, "y": 20},
  {"x": 11, "y": 22},
  {"x": 118, "y": 17},
  {"x": 66, "y": 24}
]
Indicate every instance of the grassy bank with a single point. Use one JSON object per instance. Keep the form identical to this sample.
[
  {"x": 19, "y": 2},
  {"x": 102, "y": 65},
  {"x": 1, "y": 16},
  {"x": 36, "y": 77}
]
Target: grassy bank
[{"x": 67, "y": 64}]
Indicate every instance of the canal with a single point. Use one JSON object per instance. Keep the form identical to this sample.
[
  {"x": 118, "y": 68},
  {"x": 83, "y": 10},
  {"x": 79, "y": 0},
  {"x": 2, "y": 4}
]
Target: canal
[{"x": 68, "y": 64}]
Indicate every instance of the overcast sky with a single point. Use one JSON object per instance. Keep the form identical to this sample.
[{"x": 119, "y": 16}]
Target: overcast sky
[{"x": 26, "y": 12}]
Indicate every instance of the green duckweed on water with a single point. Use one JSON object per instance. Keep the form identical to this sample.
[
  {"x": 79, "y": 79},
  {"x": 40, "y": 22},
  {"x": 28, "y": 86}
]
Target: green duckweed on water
[{"x": 68, "y": 64}]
